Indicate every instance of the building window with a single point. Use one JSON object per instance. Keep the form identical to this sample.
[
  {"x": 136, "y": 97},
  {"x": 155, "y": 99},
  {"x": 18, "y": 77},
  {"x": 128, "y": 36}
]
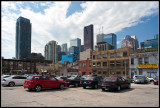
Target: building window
[
  {"x": 140, "y": 61},
  {"x": 94, "y": 64},
  {"x": 99, "y": 72},
  {"x": 83, "y": 73},
  {"x": 84, "y": 64},
  {"x": 90, "y": 64},
  {"x": 104, "y": 55},
  {"x": 98, "y": 56},
  {"x": 111, "y": 55},
  {"x": 118, "y": 54},
  {"x": 118, "y": 73},
  {"x": 125, "y": 62},
  {"x": 124, "y": 54},
  {"x": 118, "y": 63},
  {"x": 79, "y": 64},
  {"x": 104, "y": 63},
  {"x": 112, "y": 73},
  {"x": 111, "y": 63},
  {"x": 146, "y": 61},
  {"x": 93, "y": 57},
  {"x": 98, "y": 64},
  {"x": 132, "y": 60},
  {"x": 140, "y": 72},
  {"x": 104, "y": 72}
]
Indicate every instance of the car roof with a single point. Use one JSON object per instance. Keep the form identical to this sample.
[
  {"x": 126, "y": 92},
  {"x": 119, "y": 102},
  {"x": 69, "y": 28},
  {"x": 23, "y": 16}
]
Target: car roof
[{"x": 39, "y": 75}]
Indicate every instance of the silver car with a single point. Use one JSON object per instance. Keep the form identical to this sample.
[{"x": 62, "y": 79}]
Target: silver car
[{"x": 140, "y": 79}]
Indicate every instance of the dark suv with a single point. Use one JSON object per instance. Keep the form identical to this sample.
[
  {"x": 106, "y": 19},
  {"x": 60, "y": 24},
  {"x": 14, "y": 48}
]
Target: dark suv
[{"x": 91, "y": 81}]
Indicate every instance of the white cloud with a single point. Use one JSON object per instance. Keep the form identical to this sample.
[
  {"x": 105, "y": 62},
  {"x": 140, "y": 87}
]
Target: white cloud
[{"x": 54, "y": 25}]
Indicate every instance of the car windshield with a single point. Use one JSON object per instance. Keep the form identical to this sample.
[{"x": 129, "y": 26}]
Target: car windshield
[
  {"x": 140, "y": 77},
  {"x": 89, "y": 78},
  {"x": 29, "y": 77},
  {"x": 110, "y": 79}
]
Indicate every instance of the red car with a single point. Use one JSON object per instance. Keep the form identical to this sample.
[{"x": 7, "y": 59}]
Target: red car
[
  {"x": 38, "y": 82},
  {"x": 155, "y": 80}
]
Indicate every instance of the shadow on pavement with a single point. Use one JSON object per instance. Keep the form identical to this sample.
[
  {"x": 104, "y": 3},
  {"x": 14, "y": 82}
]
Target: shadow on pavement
[{"x": 121, "y": 91}]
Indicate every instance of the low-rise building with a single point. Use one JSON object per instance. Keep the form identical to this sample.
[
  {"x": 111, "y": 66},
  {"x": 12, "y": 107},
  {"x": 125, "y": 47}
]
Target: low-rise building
[
  {"x": 144, "y": 63},
  {"x": 111, "y": 62}
]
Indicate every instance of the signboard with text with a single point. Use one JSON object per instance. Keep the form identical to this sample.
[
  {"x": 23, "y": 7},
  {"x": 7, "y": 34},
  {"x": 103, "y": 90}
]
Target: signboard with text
[{"x": 147, "y": 65}]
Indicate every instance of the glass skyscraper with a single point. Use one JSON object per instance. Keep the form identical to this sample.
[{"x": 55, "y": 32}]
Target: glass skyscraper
[
  {"x": 76, "y": 42},
  {"x": 151, "y": 42},
  {"x": 64, "y": 48},
  {"x": 111, "y": 39},
  {"x": 23, "y": 38},
  {"x": 88, "y": 37}
]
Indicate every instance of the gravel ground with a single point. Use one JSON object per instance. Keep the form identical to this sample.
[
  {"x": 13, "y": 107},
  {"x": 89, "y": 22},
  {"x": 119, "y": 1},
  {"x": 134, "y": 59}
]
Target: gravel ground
[{"x": 140, "y": 95}]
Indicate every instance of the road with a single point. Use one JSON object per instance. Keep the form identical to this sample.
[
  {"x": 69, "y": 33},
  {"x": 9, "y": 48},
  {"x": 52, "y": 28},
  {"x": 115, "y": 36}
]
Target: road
[{"x": 140, "y": 95}]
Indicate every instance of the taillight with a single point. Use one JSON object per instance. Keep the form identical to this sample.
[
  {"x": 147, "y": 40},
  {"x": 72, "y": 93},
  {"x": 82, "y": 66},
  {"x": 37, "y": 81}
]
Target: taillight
[
  {"x": 80, "y": 81},
  {"x": 90, "y": 82},
  {"x": 4, "y": 80}
]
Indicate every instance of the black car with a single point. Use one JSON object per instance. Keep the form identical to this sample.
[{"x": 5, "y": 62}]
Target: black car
[
  {"x": 115, "y": 82},
  {"x": 73, "y": 80},
  {"x": 91, "y": 81},
  {"x": 64, "y": 78}
]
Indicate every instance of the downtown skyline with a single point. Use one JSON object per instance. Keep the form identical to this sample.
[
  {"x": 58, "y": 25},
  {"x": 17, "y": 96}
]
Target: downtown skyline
[{"x": 48, "y": 24}]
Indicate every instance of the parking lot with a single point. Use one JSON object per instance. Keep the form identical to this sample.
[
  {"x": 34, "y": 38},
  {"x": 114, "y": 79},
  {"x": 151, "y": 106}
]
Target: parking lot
[{"x": 140, "y": 95}]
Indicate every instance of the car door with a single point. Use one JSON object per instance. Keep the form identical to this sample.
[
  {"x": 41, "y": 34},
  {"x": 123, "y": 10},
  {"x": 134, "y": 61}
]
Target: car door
[
  {"x": 45, "y": 82},
  {"x": 16, "y": 80},
  {"x": 121, "y": 82},
  {"x": 53, "y": 82},
  {"x": 21, "y": 80}
]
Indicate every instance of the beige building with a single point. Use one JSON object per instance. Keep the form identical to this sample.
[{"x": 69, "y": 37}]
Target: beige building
[
  {"x": 86, "y": 54},
  {"x": 111, "y": 62}
]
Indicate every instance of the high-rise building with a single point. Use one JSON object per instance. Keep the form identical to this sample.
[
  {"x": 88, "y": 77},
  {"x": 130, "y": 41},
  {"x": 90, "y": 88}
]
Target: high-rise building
[
  {"x": 64, "y": 48},
  {"x": 100, "y": 38},
  {"x": 82, "y": 48},
  {"x": 111, "y": 39},
  {"x": 23, "y": 38},
  {"x": 88, "y": 37},
  {"x": 76, "y": 42},
  {"x": 51, "y": 51},
  {"x": 150, "y": 42},
  {"x": 130, "y": 42}
]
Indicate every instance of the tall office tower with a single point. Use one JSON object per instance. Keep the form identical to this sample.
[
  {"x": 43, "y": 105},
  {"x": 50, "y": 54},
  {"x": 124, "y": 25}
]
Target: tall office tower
[
  {"x": 23, "y": 38},
  {"x": 51, "y": 51},
  {"x": 130, "y": 42},
  {"x": 151, "y": 42},
  {"x": 100, "y": 38},
  {"x": 111, "y": 39},
  {"x": 64, "y": 48},
  {"x": 58, "y": 48},
  {"x": 88, "y": 37},
  {"x": 76, "y": 42}
]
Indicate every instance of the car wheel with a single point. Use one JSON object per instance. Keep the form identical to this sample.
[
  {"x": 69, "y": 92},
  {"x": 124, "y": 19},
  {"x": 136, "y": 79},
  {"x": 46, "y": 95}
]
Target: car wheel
[
  {"x": 11, "y": 84},
  {"x": 129, "y": 86},
  {"x": 61, "y": 86},
  {"x": 76, "y": 85},
  {"x": 84, "y": 87},
  {"x": 119, "y": 88},
  {"x": 38, "y": 88},
  {"x": 103, "y": 89},
  {"x": 95, "y": 86}
]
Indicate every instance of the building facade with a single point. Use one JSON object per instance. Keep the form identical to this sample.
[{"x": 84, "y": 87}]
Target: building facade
[
  {"x": 145, "y": 63},
  {"x": 51, "y": 51},
  {"x": 88, "y": 37},
  {"x": 76, "y": 42},
  {"x": 130, "y": 42},
  {"x": 111, "y": 39},
  {"x": 85, "y": 67},
  {"x": 103, "y": 46},
  {"x": 64, "y": 48},
  {"x": 111, "y": 62},
  {"x": 87, "y": 54},
  {"x": 23, "y": 38},
  {"x": 151, "y": 42},
  {"x": 100, "y": 38}
]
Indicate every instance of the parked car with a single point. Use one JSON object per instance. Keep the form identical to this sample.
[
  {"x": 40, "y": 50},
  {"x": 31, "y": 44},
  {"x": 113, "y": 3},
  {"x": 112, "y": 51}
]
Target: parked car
[
  {"x": 150, "y": 79},
  {"x": 91, "y": 81},
  {"x": 74, "y": 80},
  {"x": 156, "y": 79},
  {"x": 4, "y": 76},
  {"x": 38, "y": 82},
  {"x": 141, "y": 79},
  {"x": 115, "y": 82},
  {"x": 13, "y": 80},
  {"x": 64, "y": 78}
]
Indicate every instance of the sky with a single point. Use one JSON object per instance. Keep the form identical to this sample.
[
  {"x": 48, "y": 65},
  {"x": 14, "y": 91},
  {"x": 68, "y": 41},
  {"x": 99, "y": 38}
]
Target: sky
[{"x": 65, "y": 20}]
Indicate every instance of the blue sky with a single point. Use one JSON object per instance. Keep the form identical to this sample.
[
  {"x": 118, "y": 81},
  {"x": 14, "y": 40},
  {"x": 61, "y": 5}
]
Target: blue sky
[{"x": 63, "y": 21}]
